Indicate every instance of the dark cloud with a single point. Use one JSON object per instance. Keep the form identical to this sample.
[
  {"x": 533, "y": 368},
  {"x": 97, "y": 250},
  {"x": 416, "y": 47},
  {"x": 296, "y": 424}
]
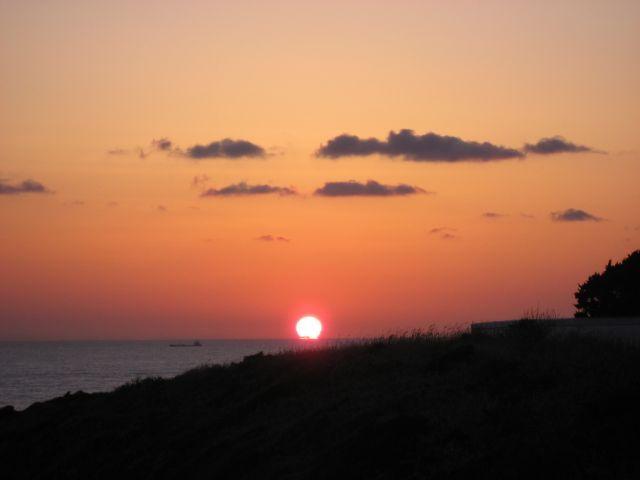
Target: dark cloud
[
  {"x": 242, "y": 188},
  {"x": 162, "y": 144},
  {"x": 272, "y": 238},
  {"x": 226, "y": 148},
  {"x": 557, "y": 144},
  {"x": 351, "y": 145},
  {"x": 27, "y": 186},
  {"x": 162, "y": 209},
  {"x": 574, "y": 215},
  {"x": 369, "y": 189},
  {"x": 493, "y": 215},
  {"x": 448, "y": 236},
  {"x": 429, "y": 147}
]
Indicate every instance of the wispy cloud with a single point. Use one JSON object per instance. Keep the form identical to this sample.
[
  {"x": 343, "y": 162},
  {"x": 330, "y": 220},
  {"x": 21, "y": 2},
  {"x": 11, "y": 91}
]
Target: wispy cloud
[
  {"x": 557, "y": 144},
  {"x": 441, "y": 230},
  {"x": 493, "y": 215},
  {"x": 26, "y": 186},
  {"x": 430, "y": 147},
  {"x": 162, "y": 144},
  {"x": 273, "y": 238},
  {"x": 371, "y": 188},
  {"x": 445, "y": 233},
  {"x": 199, "y": 180},
  {"x": 574, "y": 215},
  {"x": 118, "y": 151},
  {"x": 245, "y": 189},
  {"x": 226, "y": 148}
]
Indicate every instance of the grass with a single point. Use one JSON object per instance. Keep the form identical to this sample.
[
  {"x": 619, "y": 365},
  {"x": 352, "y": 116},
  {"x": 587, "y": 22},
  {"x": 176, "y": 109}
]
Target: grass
[{"x": 519, "y": 405}]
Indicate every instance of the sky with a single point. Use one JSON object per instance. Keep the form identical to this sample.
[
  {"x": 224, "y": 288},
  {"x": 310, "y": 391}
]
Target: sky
[{"x": 217, "y": 169}]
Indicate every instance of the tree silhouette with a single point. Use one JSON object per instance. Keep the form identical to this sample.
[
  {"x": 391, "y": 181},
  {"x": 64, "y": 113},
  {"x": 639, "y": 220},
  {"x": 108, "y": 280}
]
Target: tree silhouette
[{"x": 612, "y": 293}]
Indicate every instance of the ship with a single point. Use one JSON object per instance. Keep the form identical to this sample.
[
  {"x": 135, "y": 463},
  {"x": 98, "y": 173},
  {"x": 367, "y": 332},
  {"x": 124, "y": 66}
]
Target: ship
[{"x": 196, "y": 343}]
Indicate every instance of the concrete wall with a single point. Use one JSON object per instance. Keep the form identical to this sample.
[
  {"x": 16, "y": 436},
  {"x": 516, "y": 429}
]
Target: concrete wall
[{"x": 617, "y": 328}]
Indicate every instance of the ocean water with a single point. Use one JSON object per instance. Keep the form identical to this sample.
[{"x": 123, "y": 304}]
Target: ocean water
[{"x": 37, "y": 371}]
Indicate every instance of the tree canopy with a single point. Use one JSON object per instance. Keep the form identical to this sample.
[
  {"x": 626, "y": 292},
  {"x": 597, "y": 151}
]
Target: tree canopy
[{"x": 613, "y": 293}]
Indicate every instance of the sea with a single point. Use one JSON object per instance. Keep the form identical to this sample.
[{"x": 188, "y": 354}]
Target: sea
[{"x": 37, "y": 371}]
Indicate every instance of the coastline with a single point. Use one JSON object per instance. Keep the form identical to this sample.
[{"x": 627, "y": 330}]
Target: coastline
[{"x": 422, "y": 405}]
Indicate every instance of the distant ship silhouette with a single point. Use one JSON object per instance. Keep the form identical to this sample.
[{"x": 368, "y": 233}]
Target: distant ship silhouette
[{"x": 196, "y": 343}]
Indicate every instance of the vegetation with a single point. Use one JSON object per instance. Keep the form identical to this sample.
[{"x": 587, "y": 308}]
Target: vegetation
[
  {"x": 520, "y": 405},
  {"x": 612, "y": 293},
  {"x": 539, "y": 314}
]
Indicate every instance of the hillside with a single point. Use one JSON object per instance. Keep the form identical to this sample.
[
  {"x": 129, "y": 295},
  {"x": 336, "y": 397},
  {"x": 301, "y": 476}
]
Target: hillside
[{"x": 465, "y": 406}]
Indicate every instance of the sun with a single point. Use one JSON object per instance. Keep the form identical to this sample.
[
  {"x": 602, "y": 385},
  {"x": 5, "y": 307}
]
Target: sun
[{"x": 309, "y": 328}]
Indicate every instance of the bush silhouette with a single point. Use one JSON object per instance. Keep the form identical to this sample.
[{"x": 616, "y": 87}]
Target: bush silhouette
[{"x": 612, "y": 293}]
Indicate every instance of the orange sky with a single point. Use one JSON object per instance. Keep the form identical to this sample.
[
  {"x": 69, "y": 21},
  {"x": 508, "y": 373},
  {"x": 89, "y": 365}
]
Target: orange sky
[{"x": 96, "y": 258}]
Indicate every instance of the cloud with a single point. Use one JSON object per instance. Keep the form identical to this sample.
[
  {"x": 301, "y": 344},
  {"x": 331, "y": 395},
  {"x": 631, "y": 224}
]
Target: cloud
[
  {"x": 350, "y": 145},
  {"x": 272, "y": 238},
  {"x": 199, "y": 180},
  {"x": 429, "y": 147},
  {"x": 243, "y": 189},
  {"x": 27, "y": 186},
  {"x": 369, "y": 189},
  {"x": 442, "y": 230},
  {"x": 528, "y": 216},
  {"x": 112, "y": 204},
  {"x": 557, "y": 144},
  {"x": 445, "y": 233},
  {"x": 162, "y": 209},
  {"x": 117, "y": 151},
  {"x": 574, "y": 215},
  {"x": 226, "y": 148},
  {"x": 162, "y": 144},
  {"x": 493, "y": 215}
]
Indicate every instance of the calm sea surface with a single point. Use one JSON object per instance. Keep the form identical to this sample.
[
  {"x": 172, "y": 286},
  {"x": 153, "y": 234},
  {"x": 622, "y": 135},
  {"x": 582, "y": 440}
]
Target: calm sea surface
[{"x": 36, "y": 371}]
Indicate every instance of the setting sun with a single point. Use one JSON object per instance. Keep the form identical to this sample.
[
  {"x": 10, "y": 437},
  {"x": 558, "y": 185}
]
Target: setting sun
[{"x": 309, "y": 327}]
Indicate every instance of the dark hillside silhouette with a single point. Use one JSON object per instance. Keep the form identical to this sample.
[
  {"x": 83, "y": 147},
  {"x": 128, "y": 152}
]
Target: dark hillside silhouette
[
  {"x": 613, "y": 293},
  {"x": 522, "y": 405}
]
